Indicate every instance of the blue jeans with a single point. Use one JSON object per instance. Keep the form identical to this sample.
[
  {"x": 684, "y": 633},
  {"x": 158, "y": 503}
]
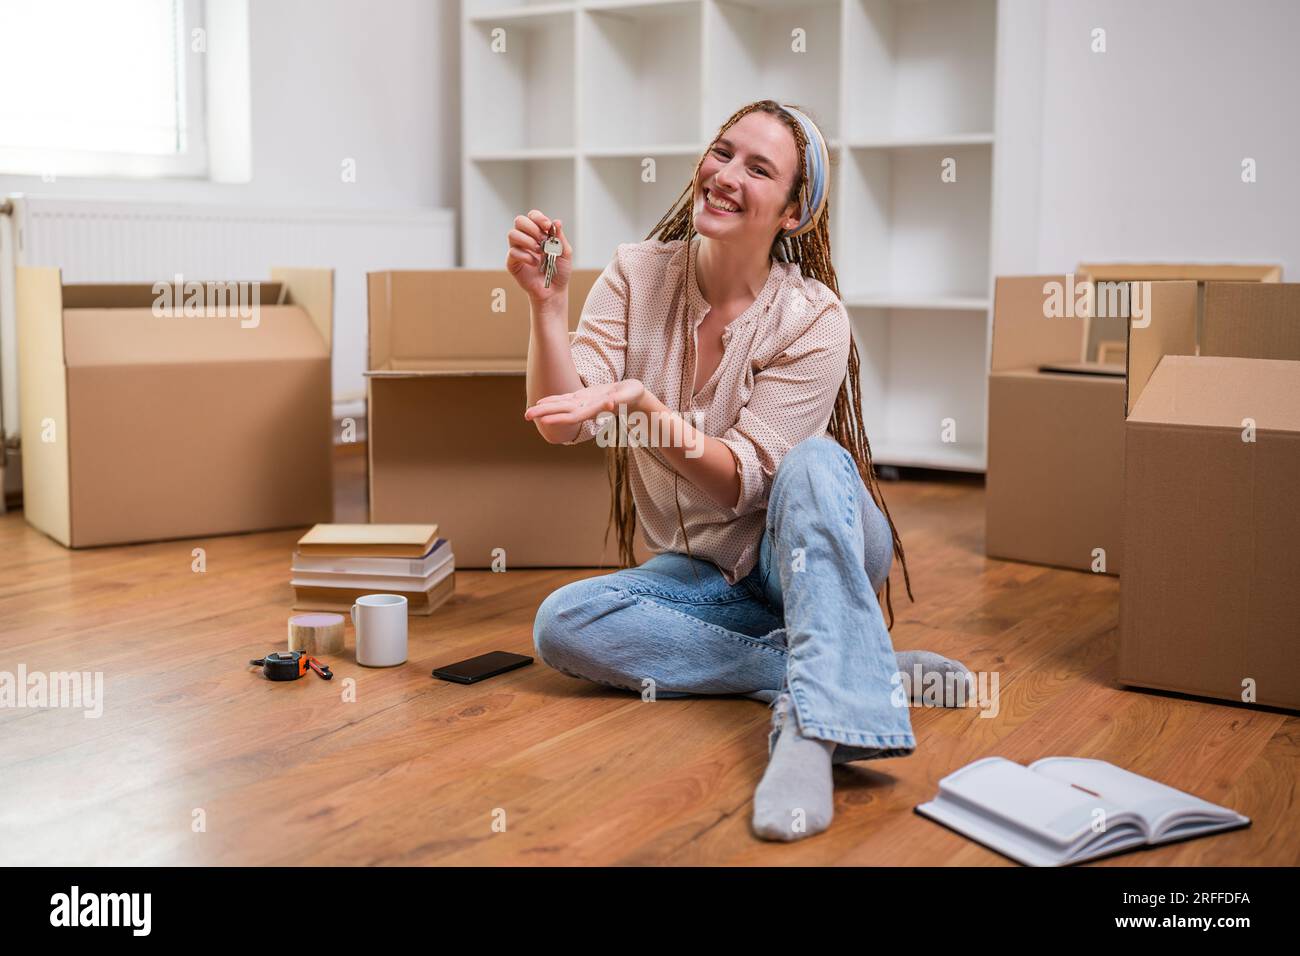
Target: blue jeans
[{"x": 806, "y": 619}]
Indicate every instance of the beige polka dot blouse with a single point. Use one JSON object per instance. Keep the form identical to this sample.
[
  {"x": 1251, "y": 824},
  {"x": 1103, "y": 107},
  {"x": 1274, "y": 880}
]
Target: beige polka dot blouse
[{"x": 783, "y": 361}]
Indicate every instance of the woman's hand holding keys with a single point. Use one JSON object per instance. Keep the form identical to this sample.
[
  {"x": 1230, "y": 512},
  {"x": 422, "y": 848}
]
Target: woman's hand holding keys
[{"x": 525, "y": 262}]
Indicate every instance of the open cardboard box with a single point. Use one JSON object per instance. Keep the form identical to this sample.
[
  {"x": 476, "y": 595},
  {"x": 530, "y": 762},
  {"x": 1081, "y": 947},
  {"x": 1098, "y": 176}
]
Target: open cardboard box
[
  {"x": 1114, "y": 288},
  {"x": 448, "y": 443},
  {"x": 1054, "y": 486},
  {"x": 1055, "y": 457},
  {"x": 140, "y": 424},
  {"x": 1209, "y": 602}
]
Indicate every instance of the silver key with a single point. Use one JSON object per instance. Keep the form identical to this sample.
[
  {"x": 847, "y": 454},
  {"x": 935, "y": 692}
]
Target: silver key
[{"x": 551, "y": 249}]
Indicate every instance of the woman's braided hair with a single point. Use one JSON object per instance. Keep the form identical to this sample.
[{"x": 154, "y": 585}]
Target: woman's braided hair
[{"x": 812, "y": 250}]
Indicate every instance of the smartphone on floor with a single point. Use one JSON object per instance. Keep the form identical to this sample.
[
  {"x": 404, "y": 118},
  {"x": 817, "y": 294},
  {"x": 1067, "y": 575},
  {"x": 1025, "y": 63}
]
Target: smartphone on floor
[{"x": 482, "y": 667}]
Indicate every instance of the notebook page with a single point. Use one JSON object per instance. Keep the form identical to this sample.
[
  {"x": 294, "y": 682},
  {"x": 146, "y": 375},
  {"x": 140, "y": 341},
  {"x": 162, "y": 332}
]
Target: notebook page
[
  {"x": 1005, "y": 790},
  {"x": 1150, "y": 799}
]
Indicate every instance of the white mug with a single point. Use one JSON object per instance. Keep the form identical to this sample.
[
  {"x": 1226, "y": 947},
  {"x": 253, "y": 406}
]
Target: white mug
[{"x": 380, "y": 622}]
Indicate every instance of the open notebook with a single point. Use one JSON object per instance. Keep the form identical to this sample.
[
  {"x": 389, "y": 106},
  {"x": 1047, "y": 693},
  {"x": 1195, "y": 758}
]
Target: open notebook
[{"x": 1043, "y": 814}]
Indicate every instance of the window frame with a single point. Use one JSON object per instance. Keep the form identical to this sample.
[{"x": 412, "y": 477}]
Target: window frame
[{"x": 191, "y": 162}]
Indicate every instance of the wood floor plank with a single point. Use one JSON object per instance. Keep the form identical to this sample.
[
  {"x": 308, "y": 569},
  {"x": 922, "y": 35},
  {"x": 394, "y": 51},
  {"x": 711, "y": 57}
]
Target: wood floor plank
[{"x": 417, "y": 771}]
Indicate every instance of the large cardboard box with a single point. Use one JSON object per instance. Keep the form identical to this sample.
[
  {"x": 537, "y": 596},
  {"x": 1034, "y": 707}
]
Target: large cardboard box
[
  {"x": 1054, "y": 486},
  {"x": 1209, "y": 603},
  {"x": 448, "y": 442},
  {"x": 150, "y": 412}
]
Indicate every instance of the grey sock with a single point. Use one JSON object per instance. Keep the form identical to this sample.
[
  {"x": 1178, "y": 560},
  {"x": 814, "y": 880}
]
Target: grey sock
[
  {"x": 930, "y": 662},
  {"x": 795, "y": 797}
]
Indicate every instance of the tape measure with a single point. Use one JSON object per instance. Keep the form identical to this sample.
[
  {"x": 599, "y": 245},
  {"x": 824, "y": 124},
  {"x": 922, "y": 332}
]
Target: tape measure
[{"x": 290, "y": 665}]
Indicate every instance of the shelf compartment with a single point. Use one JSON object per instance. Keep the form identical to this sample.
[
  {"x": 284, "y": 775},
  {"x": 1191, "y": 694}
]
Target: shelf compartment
[
  {"x": 908, "y": 234},
  {"x": 641, "y": 64},
  {"x": 521, "y": 98},
  {"x": 618, "y": 207},
  {"x": 955, "y": 457},
  {"x": 748, "y": 56},
  {"x": 920, "y": 68},
  {"x": 919, "y": 367},
  {"x": 499, "y": 190}
]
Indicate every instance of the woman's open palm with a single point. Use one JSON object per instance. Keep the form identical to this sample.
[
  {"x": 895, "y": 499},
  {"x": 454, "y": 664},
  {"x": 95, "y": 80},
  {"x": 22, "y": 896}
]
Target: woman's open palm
[
  {"x": 524, "y": 258},
  {"x": 585, "y": 404}
]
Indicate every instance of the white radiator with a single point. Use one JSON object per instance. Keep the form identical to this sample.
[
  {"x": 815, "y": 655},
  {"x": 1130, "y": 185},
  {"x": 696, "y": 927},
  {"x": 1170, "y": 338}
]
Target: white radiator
[{"x": 93, "y": 241}]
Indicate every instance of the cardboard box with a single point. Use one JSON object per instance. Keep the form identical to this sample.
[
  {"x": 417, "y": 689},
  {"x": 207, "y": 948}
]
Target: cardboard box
[
  {"x": 1209, "y": 603},
  {"x": 1055, "y": 457},
  {"x": 1114, "y": 284},
  {"x": 145, "y": 417},
  {"x": 1054, "y": 486},
  {"x": 448, "y": 442}
]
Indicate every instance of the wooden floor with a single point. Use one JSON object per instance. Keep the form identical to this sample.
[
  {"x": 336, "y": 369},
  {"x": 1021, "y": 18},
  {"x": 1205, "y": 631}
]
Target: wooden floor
[{"x": 416, "y": 770}]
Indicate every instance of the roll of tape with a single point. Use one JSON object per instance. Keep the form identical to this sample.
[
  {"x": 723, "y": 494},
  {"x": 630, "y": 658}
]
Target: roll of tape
[{"x": 316, "y": 633}]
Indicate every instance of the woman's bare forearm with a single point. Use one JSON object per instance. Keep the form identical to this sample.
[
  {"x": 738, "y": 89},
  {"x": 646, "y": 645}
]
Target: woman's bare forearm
[
  {"x": 550, "y": 369},
  {"x": 701, "y": 459}
]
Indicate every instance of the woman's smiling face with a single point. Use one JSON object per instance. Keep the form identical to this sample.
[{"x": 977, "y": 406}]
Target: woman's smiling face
[{"x": 745, "y": 179}]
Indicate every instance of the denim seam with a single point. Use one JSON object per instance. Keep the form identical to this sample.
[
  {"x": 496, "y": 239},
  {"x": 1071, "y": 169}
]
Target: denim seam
[
  {"x": 738, "y": 638},
  {"x": 796, "y": 691},
  {"x": 857, "y": 739},
  {"x": 877, "y": 753},
  {"x": 758, "y": 590},
  {"x": 640, "y": 590},
  {"x": 852, "y": 480}
]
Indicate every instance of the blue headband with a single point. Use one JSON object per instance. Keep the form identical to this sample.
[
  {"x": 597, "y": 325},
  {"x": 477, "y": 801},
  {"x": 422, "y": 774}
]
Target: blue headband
[{"x": 817, "y": 160}]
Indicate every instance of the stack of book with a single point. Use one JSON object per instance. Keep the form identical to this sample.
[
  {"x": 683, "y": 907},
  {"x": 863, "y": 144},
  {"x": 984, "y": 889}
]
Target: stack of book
[{"x": 337, "y": 563}]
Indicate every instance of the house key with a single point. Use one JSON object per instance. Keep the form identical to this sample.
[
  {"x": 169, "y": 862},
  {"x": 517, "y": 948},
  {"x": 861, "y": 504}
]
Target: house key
[{"x": 551, "y": 249}]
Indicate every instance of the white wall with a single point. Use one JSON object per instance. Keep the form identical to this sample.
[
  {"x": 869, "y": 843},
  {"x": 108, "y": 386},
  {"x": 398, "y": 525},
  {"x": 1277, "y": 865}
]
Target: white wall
[
  {"x": 1140, "y": 148},
  {"x": 331, "y": 79}
]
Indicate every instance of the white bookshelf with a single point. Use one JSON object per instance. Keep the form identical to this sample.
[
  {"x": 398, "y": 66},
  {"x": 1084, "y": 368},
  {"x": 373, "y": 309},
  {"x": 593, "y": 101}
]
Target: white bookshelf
[{"x": 588, "y": 90}]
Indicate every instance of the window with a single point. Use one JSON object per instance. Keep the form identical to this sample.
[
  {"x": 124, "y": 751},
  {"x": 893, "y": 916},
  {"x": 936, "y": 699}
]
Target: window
[{"x": 93, "y": 88}]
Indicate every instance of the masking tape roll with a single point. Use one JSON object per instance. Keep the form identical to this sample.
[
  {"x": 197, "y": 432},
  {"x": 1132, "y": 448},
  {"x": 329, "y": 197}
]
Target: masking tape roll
[{"x": 316, "y": 633}]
